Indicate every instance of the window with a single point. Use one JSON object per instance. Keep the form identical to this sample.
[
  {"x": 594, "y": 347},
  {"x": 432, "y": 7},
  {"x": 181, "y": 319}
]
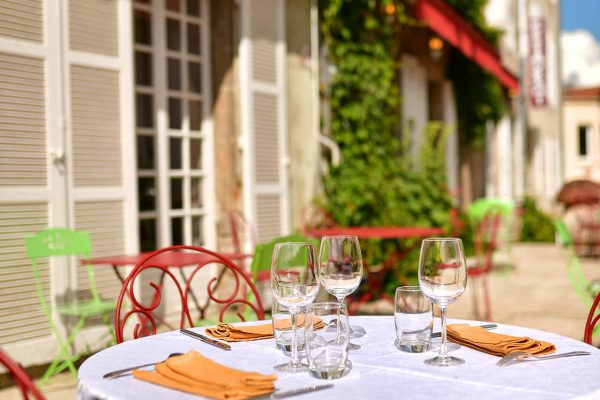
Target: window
[
  {"x": 583, "y": 138},
  {"x": 169, "y": 82}
]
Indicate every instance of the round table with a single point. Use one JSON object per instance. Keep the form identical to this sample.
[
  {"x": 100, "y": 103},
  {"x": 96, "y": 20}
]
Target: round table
[{"x": 379, "y": 370}]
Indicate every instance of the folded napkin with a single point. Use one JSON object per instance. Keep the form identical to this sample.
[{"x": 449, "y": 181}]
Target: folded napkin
[
  {"x": 496, "y": 343},
  {"x": 231, "y": 333},
  {"x": 194, "y": 373}
]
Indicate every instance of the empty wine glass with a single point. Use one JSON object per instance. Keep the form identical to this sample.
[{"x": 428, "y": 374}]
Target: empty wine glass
[
  {"x": 340, "y": 268},
  {"x": 443, "y": 278},
  {"x": 295, "y": 285}
]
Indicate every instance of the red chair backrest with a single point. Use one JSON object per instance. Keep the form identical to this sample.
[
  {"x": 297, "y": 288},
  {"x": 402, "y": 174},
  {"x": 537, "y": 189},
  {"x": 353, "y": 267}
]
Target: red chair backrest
[
  {"x": 20, "y": 377},
  {"x": 486, "y": 238},
  {"x": 243, "y": 234},
  {"x": 200, "y": 258},
  {"x": 592, "y": 320}
]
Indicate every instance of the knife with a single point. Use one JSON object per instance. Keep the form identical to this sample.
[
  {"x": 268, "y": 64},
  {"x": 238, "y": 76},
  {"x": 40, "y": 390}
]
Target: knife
[
  {"x": 293, "y": 392},
  {"x": 205, "y": 339},
  {"x": 487, "y": 326}
]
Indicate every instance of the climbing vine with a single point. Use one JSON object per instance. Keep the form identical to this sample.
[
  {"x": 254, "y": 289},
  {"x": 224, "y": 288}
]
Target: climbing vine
[{"x": 380, "y": 180}]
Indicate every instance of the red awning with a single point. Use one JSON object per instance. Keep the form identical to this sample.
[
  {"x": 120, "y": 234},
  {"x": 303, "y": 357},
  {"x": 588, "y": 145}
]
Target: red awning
[{"x": 443, "y": 20}]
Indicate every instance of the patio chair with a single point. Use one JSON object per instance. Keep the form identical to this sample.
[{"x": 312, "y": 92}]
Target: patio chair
[
  {"x": 261, "y": 263},
  {"x": 486, "y": 242},
  {"x": 20, "y": 378},
  {"x": 243, "y": 235},
  {"x": 226, "y": 289},
  {"x": 592, "y": 320},
  {"x": 63, "y": 242},
  {"x": 585, "y": 289}
]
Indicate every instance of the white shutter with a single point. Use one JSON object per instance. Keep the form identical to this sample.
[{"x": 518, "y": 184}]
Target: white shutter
[
  {"x": 25, "y": 177},
  {"x": 263, "y": 116},
  {"x": 96, "y": 132}
]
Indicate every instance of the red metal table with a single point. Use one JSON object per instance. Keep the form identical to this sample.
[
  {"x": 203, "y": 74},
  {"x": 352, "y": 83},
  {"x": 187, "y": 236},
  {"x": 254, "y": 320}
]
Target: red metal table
[
  {"x": 374, "y": 284},
  {"x": 171, "y": 259}
]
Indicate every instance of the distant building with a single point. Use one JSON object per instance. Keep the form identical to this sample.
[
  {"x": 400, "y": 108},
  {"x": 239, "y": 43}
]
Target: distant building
[{"x": 581, "y": 133}]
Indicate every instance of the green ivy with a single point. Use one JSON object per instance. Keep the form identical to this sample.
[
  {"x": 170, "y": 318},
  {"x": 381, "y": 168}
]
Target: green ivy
[{"x": 379, "y": 181}]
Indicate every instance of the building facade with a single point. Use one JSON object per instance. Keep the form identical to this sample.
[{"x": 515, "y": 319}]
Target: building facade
[
  {"x": 143, "y": 122},
  {"x": 581, "y": 134}
]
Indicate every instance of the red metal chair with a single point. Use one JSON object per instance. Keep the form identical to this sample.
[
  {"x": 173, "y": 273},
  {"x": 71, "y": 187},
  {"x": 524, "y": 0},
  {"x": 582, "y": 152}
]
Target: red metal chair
[
  {"x": 592, "y": 320},
  {"x": 243, "y": 234},
  {"x": 226, "y": 289},
  {"x": 20, "y": 377},
  {"x": 486, "y": 242}
]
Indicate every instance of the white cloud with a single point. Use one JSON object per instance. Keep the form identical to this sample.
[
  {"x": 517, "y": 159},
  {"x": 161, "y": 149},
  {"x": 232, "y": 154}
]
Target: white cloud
[{"x": 580, "y": 59}]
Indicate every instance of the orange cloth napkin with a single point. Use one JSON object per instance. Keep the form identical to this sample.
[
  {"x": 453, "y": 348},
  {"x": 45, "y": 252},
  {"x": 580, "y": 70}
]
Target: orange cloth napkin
[
  {"x": 231, "y": 333},
  {"x": 496, "y": 343},
  {"x": 194, "y": 373}
]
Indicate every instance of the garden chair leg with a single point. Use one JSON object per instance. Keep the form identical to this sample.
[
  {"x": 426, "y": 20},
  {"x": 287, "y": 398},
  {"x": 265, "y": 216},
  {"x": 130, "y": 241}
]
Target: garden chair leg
[{"x": 65, "y": 359}]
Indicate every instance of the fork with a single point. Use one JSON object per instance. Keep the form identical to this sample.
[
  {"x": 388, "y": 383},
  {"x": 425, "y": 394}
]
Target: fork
[{"x": 517, "y": 356}]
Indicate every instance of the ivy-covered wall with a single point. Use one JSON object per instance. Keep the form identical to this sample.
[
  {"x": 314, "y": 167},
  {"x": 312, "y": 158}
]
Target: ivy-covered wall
[{"x": 379, "y": 181}]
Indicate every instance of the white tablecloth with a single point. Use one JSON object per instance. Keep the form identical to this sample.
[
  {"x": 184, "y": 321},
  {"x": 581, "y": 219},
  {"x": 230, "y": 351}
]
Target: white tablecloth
[{"x": 380, "y": 371}]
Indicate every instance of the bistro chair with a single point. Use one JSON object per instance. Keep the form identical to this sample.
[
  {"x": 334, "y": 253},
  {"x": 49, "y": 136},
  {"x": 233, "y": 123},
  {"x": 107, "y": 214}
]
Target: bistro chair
[
  {"x": 63, "y": 242},
  {"x": 486, "y": 242},
  {"x": 243, "y": 234},
  {"x": 592, "y": 320},
  {"x": 20, "y": 377},
  {"x": 585, "y": 289},
  {"x": 261, "y": 263},
  {"x": 225, "y": 289}
]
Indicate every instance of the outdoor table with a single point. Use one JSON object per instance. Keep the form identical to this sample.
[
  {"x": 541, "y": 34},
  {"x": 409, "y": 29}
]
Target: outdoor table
[
  {"x": 374, "y": 284},
  {"x": 379, "y": 369},
  {"x": 171, "y": 259}
]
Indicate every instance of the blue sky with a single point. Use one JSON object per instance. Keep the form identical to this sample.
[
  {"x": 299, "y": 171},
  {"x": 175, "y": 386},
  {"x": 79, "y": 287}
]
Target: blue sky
[{"x": 581, "y": 14}]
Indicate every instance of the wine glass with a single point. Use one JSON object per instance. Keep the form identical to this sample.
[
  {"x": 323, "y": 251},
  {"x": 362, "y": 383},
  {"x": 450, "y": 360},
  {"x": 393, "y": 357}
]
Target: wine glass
[
  {"x": 340, "y": 268},
  {"x": 443, "y": 278},
  {"x": 295, "y": 285}
]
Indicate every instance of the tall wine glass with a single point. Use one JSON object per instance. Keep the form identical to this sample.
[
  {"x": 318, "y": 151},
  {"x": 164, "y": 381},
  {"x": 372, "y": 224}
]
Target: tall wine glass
[
  {"x": 443, "y": 278},
  {"x": 340, "y": 267},
  {"x": 295, "y": 285}
]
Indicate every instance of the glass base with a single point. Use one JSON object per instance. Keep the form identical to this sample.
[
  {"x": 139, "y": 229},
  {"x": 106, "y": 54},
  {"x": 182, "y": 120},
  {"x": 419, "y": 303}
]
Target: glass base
[
  {"x": 447, "y": 361},
  {"x": 412, "y": 346},
  {"x": 436, "y": 345},
  {"x": 291, "y": 368},
  {"x": 354, "y": 346},
  {"x": 331, "y": 373}
]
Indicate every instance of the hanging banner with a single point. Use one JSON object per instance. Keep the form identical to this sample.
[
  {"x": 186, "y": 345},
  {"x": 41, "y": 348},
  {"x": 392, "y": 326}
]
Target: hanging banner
[{"x": 538, "y": 89}]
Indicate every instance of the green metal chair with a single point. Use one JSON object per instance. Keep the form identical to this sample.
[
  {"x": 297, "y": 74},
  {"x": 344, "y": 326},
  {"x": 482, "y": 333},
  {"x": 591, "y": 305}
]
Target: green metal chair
[
  {"x": 260, "y": 269},
  {"x": 585, "y": 289},
  {"x": 54, "y": 242}
]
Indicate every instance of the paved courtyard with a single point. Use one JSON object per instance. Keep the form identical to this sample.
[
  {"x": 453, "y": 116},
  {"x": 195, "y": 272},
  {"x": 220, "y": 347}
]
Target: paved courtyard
[{"x": 529, "y": 288}]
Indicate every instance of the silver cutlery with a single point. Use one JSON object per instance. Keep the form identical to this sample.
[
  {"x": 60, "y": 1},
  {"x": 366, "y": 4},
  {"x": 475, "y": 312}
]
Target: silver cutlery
[
  {"x": 205, "y": 339},
  {"x": 486, "y": 326},
  {"x": 122, "y": 372},
  {"x": 517, "y": 356},
  {"x": 292, "y": 392}
]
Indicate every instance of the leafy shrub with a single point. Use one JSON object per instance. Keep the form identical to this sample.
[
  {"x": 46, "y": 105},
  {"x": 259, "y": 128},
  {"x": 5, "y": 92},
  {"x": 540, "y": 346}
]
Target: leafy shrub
[{"x": 536, "y": 226}]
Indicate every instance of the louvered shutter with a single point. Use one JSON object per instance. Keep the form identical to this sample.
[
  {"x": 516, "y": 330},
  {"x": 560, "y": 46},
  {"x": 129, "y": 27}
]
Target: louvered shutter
[
  {"x": 24, "y": 174},
  {"x": 97, "y": 158},
  {"x": 263, "y": 116}
]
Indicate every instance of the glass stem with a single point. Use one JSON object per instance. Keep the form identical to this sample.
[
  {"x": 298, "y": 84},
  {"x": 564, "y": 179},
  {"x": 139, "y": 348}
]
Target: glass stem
[
  {"x": 295, "y": 360},
  {"x": 341, "y": 301},
  {"x": 444, "y": 348}
]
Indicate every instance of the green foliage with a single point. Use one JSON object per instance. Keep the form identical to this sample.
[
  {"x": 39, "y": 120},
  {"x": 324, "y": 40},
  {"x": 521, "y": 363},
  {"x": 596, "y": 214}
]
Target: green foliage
[
  {"x": 380, "y": 180},
  {"x": 479, "y": 96},
  {"x": 537, "y": 226}
]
